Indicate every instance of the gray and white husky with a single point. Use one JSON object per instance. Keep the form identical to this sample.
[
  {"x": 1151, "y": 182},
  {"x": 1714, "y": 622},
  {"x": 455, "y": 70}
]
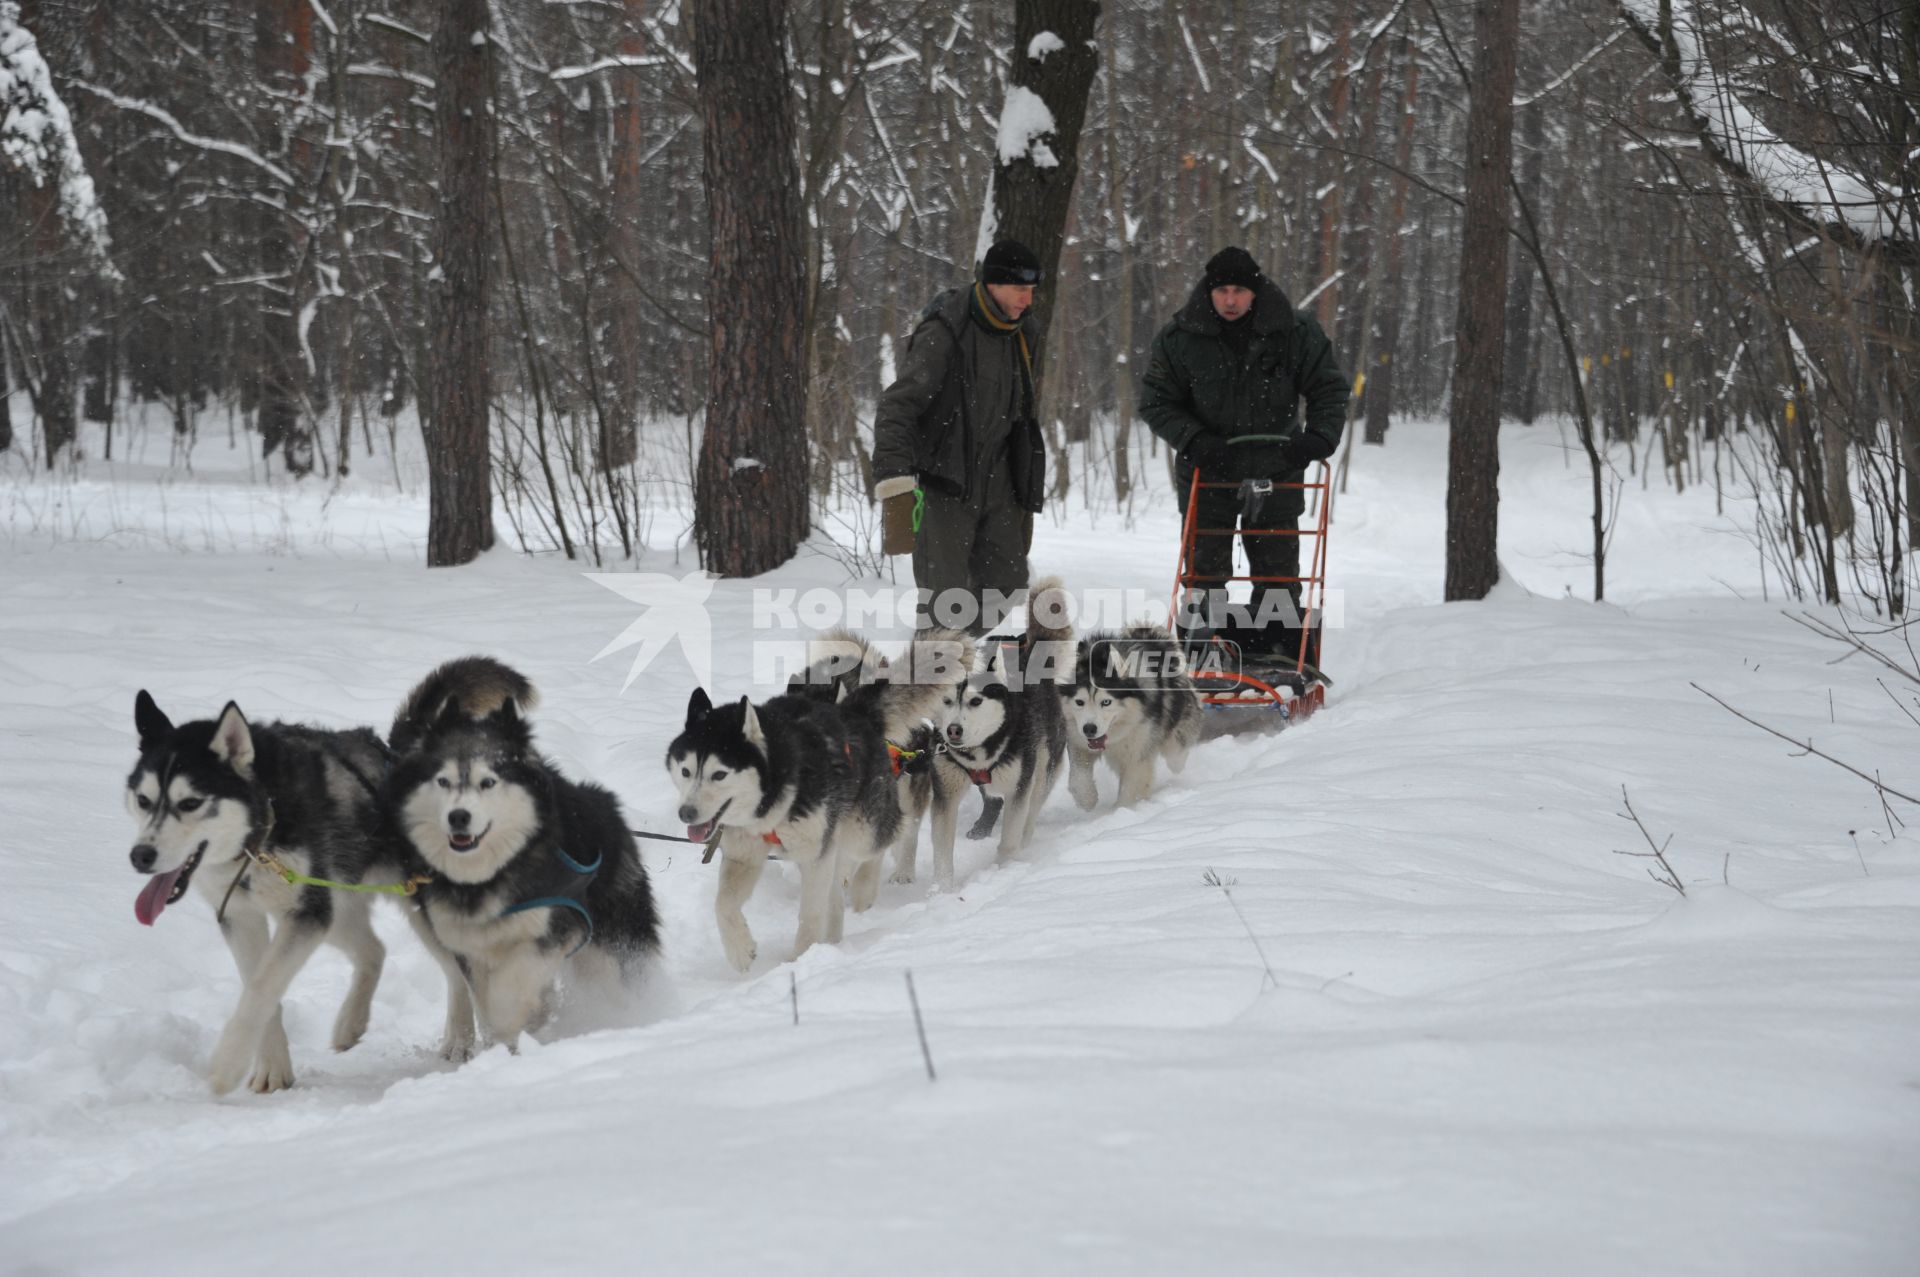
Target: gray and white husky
[
  {"x": 1003, "y": 730},
  {"x": 1130, "y": 703},
  {"x": 532, "y": 877},
  {"x": 208, "y": 797},
  {"x": 809, "y": 772}
]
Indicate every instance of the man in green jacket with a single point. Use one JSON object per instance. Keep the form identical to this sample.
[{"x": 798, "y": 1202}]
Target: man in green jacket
[
  {"x": 956, "y": 443},
  {"x": 1237, "y": 360}
]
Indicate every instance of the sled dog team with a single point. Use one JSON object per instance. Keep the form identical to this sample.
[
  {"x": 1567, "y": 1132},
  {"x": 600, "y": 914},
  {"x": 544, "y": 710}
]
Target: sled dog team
[{"x": 519, "y": 881}]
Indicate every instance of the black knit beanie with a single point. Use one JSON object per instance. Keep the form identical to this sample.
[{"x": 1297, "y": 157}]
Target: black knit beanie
[
  {"x": 1233, "y": 268},
  {"x": 1009, "y": 262}
]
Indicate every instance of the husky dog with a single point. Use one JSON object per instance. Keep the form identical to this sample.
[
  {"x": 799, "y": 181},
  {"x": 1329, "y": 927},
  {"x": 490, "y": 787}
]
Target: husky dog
[
  {"x": 1130, "y": 703},
  {"x": 532, "y": 875},
  {"x": 1003, "y": 729},
  {"x": 213, "y": 800},
  {"x": 783, "y": 773},
  {"x": 891, "y": 702}
]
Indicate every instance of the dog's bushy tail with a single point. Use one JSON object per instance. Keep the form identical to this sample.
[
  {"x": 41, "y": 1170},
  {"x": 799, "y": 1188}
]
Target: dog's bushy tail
[
  {"x": 838, "y": 661},
  {"x": 475, "y": 686},
  {"x": 1049, "y": 611}
]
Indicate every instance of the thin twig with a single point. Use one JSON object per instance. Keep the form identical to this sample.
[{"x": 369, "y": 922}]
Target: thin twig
[
  {"x": 1226, "y": 889},
  {"x": 1658, "y": 853},
  {"x": 1805, "y": 745},
  {"x": 1808, "y": 621},
  {"x": 1896, "y": 700},
  {"x": 920, "y": 1028},
  {"x": 1857, "y": 852},
  {"x": 793, "y": 992}
]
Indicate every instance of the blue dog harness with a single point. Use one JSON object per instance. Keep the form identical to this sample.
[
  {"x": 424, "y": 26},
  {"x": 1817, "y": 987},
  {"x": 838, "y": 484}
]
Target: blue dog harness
[{"x": 583, "y": 875}]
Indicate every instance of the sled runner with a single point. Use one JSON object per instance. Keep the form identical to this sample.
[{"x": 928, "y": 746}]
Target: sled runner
[{"x": 1285, "y": 676}]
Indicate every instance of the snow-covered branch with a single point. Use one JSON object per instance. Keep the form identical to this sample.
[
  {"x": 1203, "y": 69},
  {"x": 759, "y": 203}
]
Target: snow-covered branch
[{"x": 1809, "y": 191}]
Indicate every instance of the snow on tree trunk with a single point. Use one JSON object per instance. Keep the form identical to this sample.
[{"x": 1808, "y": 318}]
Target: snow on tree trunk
[
  {"x": 1031, "y": 191},
  {"x": 36, "y": 135}
]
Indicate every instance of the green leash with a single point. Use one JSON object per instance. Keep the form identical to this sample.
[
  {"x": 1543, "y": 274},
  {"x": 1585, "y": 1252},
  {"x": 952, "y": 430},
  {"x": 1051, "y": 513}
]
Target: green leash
[
  {"x": 254, "y": 851},
  {"x": 919, "y": 507}
]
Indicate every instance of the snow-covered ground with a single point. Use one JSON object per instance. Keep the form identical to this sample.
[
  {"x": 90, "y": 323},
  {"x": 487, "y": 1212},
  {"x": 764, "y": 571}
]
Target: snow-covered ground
[{"x": 1494, "y": 1046}]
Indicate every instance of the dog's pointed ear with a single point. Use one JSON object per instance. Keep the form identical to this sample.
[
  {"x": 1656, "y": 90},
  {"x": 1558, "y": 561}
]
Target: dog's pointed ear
[
  {"x": 148, "y": 720},
  {"x": 233, "y": 740},
  {"x": 750, "y": 726},
  {"x": 698, "y": 706}
]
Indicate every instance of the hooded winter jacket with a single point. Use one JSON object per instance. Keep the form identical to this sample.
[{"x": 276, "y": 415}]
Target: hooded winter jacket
[{"x": 1196, "y": 381}]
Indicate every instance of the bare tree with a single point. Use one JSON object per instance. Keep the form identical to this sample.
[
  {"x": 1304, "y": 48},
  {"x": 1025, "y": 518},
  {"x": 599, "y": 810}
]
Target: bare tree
[
  {"x": 460, "y": 494},
  {"x": 1473, "y": 453},
  {"x": 750, "y": 484}
]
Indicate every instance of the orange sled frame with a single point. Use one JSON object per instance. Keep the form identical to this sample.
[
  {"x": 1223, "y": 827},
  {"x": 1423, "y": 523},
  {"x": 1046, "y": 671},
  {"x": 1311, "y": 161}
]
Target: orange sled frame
[{"x": 1295, "y": 688}]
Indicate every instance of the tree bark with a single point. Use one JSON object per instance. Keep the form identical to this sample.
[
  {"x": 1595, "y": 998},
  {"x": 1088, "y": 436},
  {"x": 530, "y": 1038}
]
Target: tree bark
[
  {"x": 460, "y": 492},
  {"x": 1473, "y": 453},
  {"x": 750, "y": 483},
  {"x": 283, "y": 54},
  {"x": 1031, "y": 200},
  {"x": 619, "y": 443},
  {"x": 1378, "y": 400}
]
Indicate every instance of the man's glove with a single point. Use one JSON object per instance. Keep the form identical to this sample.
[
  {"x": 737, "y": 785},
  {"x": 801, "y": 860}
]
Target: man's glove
[
  {"x": 1211, "y": 455},
  {"x": 897, "y": 499},
  {"x": 1305, "y": 448},
  {"x": 1258, "y": 461}
]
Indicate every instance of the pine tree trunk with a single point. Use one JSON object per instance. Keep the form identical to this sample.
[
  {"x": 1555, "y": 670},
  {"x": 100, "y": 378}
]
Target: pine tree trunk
[
  {"x": 1031, "y": 200},
  {"x": 619, "y": 443},
  {"x": 1379, "y": 397},
  {"x": 460, "y": 492},
  {"x": 1516, "y": 390},
  {"x": 750, "y": 483},
  {"x": 283, "y": 55},
  {"x": 1473, "y": 455}
]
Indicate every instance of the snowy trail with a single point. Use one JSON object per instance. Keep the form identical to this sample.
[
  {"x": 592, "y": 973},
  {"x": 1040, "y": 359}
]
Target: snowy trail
[{"x": 1495, "y": 1047}]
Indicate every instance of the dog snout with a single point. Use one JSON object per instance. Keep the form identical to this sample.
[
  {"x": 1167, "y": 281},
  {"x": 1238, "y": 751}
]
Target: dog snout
[
  {"x": 954, "y": 731},
  {"x": 458, "y": 819},
  {"x": 689, "y": 814},
  {"x": 143, "y": 857},
  {"x": 1090, "y": 730}
]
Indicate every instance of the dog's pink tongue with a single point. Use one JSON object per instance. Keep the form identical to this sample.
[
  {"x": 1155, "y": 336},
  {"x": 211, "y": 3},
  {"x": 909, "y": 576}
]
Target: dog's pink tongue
[
  {"x": 153, "y": 897},
  {"x": 700, "y": 832}
]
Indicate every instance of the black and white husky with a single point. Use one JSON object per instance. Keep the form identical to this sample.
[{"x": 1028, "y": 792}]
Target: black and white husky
[
  {"x": 1003, "y": 729},
  {"x": 532, "y": 876},
  {"x": 213, "y": 800},
  {"x": 809, "y": 772},
  {"x": 1131, "y": 702},
  {"x": 893, "y": 701}
]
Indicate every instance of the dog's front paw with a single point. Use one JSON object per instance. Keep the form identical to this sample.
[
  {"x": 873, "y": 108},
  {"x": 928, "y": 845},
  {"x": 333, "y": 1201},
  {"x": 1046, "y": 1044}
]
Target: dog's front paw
[
  {"x": 232, "y": 1060},
  {"x": 740, "y": 948},
  {"x": 349, "y": 1028},
  {"x": 903, "y": 876},
  {"x": 271, "y": 1075},
  {"x": 1083, "y": 789},
  {"x": 456, "y": 1047}
]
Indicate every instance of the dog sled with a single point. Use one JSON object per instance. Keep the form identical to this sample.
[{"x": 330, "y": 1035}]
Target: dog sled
[{"x": 1285, "y": 679}]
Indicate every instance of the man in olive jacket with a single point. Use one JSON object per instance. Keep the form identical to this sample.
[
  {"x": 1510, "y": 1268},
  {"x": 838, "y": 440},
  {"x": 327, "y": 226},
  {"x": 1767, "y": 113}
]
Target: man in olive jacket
[
  {"x": 957, "y": 430},
  {"x": 1237, "y": 360}
]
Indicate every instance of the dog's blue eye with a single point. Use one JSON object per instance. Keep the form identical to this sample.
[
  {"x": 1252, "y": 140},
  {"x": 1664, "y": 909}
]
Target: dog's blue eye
[
  {"x": 718, "y": 776},
  {"x": 188, "y": 804},
  {"x": 488, "y": 783}
]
